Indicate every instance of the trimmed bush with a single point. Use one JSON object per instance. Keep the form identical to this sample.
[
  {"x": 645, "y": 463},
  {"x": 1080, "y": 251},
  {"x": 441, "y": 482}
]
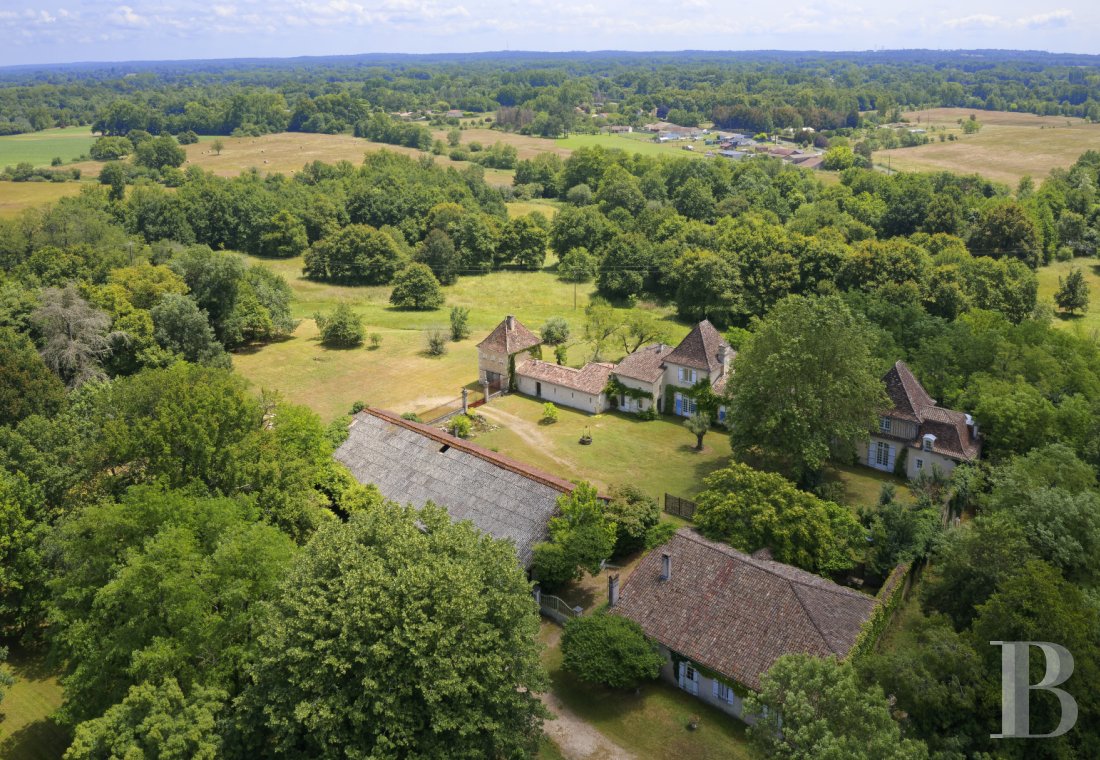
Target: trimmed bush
[{"x": 609, "y": 650}]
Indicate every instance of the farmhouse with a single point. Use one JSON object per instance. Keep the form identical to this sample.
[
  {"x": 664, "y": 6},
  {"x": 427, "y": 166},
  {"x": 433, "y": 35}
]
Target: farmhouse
[
  {"x": 655, "y": 376},
  {"x": 577, "y": 388},
  {"x": 722, "y": 617},
  {"x": 620, "y": 129},
  {"x": 915, "y": 435},
  {"x": 499, "y": 353},
  {"x": 411, "y": 463}
]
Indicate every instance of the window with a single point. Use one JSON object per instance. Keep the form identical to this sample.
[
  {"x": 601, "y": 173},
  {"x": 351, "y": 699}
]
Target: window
[
  {"x": 882, "y": 454},
  {"x": 722, "y": 692},
  {"x": 926, "y": 444},
  {"x": 687, "y": 375},
  {"x": 920, "y": 464},
  {"x": 685, "y": 405},
  {"x": 884, "y": 424}
]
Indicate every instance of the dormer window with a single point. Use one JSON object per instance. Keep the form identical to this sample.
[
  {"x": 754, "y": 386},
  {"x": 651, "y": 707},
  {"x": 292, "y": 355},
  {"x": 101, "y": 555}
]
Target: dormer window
[
  {"x": 927, "y": 442},
  {"x": 884, "y": 424}
]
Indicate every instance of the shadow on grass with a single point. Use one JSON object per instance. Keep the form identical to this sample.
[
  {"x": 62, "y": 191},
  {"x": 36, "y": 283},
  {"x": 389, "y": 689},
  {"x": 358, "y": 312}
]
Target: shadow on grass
[
  {"x": 41, "y": 739},
  {"x": 255, "y": 348},
  {"x": 1065, "y": 316}
]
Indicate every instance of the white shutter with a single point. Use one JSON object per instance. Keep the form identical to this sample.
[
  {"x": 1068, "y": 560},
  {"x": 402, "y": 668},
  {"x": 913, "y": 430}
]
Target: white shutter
[
  {"x": 680, "y": 675},
  {"x": 729, "y": 695},
  {"x": 714, "y": 688}
]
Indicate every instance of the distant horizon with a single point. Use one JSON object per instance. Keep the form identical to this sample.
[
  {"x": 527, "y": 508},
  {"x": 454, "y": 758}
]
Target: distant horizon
[
  {"x": 63, "y": 32},
  {"x": 535, "y": 52}
]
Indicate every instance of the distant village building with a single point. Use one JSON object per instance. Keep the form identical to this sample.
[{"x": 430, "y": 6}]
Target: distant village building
[
  {"x": 915, "y": 434},
  {"x": 722, "y": 617},
  {"x": 620, "y": 129},
  {"x": 455, "y": 113},
  {"x": 411, "y": 463}
]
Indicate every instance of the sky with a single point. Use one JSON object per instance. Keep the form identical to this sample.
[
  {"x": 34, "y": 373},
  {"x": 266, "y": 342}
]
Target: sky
[{"x": 59, "y": 31}]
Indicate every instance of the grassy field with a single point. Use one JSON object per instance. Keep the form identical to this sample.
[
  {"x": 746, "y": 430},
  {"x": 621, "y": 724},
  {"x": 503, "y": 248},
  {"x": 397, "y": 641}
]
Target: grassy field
[
  {"x": 26, "y": 731},
  {"x": 399, "y": 375},
  {"x": 17, "y": 196},
  {"x": 1088, "y": 322},
  {"x": 39, "y": 148},
  {"x": 862, "y": 485},
  {"x": 634, "y": 142},
  {"x": 651, "y": 722},
  {"x": 546, "y": 207},
  {"x": 527, "y": 146},
  {"x": 1009, "y": 145},
  {"x": 658, "y": 456}
]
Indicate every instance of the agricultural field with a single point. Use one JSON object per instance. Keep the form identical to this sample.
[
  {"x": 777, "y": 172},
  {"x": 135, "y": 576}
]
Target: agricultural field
[
  {"x": 15, "y": 197},
  {"x": 399, "y": 375},
  {"x": 527, "y": 146},
  {"x": 1008, "y": 147},
  {"x": 39, "y": 148}
]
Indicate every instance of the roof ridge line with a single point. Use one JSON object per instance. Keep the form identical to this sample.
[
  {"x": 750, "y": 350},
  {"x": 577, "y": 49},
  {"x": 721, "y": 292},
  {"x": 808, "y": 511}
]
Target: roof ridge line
[
  {"x": 830, "y": 586},
  {"x": 473, "y": 449},
  {"x": 811, "y": 618}
]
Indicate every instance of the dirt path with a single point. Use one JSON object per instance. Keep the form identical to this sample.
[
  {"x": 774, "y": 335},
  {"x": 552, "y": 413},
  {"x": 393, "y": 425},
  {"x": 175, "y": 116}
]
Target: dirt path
[
  {"x": 528, "y": 432},
  {"x": 577, "y": 739}
]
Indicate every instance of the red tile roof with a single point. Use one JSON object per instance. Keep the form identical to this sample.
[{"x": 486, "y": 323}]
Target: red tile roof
[
  {"x": 736, "y": 614},
  {"x": 646, "y": 364},
  {"x": 700, "y": 348},
  {"x": 591, "y": 378},
  {"x": 953, "y": 432},
  {"x": 510, "y": 341}
]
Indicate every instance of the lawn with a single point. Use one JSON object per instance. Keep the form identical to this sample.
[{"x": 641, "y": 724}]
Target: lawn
[
  {"x": 657, "y": 456},
  {"x": 651, "y": 722},
  {"x": 26, "y": 731},
  {"x": 547, "y": 208},
  {"x": 1089, "y": 322},
  {"x": 862, "y": 485},
  {"x": 635, "y": 142},
  {"x": 398, "y": 375},
  {"x": 1009, "y": 145},
  {"x": 39, "y": 148},
  {"x": 15, "y": 197}
]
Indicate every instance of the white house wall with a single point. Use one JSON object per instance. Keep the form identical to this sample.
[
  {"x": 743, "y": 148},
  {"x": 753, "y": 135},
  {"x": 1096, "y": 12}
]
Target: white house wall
[{"x": 585, "y": 402}]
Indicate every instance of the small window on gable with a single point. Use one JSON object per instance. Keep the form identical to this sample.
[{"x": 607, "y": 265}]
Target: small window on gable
[
  {"x": 884, "y": 424},
  {"x": 927, "y": 442}
]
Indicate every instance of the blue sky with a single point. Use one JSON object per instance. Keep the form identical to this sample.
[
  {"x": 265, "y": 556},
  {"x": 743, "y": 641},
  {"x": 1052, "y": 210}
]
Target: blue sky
[{"x": 47, "y": 31}]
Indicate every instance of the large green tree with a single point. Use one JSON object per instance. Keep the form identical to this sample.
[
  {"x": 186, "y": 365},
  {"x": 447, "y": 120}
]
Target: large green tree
[
  {"x": 26, "y": 385},
  {"x": 416, "y": 288},
  {"x": 609, "y": 650},
  {"x": 804, "y": 386},
  {"x": 357, "y": 254},
  {"x": 813, "y": 708},
  {"x": 754, "y": 510},
  {"x": 399, "y": 633}
]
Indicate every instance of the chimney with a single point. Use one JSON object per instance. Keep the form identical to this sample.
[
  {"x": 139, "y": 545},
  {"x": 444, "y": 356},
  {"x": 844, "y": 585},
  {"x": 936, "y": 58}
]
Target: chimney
[
  {"x": 666, "y": 566},
  {"x": 612, "y": 590},
  {"x": 510, "y": 323},
  {"x": 724, "y": 356}
]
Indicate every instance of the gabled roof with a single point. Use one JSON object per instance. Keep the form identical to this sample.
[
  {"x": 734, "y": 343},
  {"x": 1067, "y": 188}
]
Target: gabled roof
[
  {"x": 413, "y": 463},
  {"x": 952, "y": 430},
  {"x": 909, "y": 397},
  {"x": 700, "y": 348},
  {"x": 737, "y": 614},
  {"x": 591, "y": 378},
  {"x": 646, "y": 364},
  {"x": 510, "y": 337}
]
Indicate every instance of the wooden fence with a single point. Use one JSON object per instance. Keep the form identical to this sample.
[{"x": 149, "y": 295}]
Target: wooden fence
[{"x": 684, "y": 508}]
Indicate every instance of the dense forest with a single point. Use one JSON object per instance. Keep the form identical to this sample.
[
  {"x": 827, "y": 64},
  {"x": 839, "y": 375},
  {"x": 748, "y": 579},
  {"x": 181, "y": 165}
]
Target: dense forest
[{"x": 545, "y": 94}]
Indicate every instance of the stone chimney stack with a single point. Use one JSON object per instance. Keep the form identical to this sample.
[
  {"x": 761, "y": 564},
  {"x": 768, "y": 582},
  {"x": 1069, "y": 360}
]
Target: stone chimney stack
[
  {"x": 612, "y": 590},
  {"x": 666, "y": 566},
  {"x": 511, "y": 323},
  {"x": 724, "y": 356}
]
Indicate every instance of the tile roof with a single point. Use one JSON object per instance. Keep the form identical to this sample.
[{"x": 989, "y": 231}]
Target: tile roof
[
  {"x": 414, "y": 463},
  {"x": 591, "y": 378},
  {"x": 954, "y": 437},
  {"x": 737, "y": 614},
  {"x": 511, "y": 340},
  {"x": 699, "y": 349},
  {"x": 646, "y": 364}
]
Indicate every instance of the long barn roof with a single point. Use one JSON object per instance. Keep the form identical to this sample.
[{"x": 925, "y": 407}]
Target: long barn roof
[{"x": 411, "y": 463}]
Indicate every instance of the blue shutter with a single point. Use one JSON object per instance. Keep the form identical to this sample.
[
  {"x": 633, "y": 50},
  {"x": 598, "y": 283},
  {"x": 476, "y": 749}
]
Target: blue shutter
[{"x": 679, "y": 404}]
